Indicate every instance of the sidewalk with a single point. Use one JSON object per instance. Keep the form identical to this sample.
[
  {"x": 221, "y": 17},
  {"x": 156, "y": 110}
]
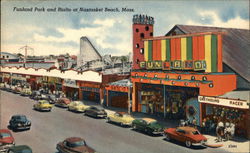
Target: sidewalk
[{"x": 237, "y": 145}]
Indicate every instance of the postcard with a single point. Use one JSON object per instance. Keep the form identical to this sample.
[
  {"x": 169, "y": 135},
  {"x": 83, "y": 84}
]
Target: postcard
[{"x": 124, "y": 76}]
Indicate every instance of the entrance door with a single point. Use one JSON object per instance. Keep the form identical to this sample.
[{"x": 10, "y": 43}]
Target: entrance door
[{"x": 193, "y": 110}]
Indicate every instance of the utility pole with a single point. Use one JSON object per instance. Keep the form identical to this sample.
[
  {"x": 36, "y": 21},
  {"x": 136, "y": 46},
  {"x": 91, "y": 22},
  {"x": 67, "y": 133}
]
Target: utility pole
[{"x": 26, "y": 48}]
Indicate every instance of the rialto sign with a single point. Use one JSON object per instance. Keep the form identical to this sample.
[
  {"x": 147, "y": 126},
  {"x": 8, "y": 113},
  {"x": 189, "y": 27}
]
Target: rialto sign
[
  {"x": 177, "y": 64},
  {"x": 224, "y": 102}
]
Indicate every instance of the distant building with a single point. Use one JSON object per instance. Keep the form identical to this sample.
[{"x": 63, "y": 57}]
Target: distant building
[{"x": 8, "y": 57}]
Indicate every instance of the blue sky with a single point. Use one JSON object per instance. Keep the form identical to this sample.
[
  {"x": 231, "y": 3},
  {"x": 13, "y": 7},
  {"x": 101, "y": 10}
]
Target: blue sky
[{"x": 110, "y": 32}]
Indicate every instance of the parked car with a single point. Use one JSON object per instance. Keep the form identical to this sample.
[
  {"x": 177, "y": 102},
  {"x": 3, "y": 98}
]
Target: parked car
[
  {"x": 189, "y": 135},
  {"x": 43, "y": 105},
  {"x": 62, "y": 102},
  {"x": 16, "y": 89},
  {"x": 121, "y": 118},
  {"x": 19, "y": 122},
  {"x": 51, "y": 98},
  {"x": 20, "y": 149},
  {"x": 95, "y": 112},
  {"x": 74, "y": 145},
  {"x": 6, "y": 140},
  {"x": 77, "y": 106},
  {"x": 25, "y": 92},
  {"x": 35, "y": 95},
  {"x": 8, "y": 88},
  {"x": 2, "y": 86},
  {"x": 148, "y": 125}
]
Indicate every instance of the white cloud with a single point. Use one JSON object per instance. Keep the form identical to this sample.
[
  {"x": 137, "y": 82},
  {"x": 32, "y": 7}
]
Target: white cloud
[
  {"x": 102, "y": 35},
  {"x": 217, "y": 22},
  {"x": 105, "y": 22}
]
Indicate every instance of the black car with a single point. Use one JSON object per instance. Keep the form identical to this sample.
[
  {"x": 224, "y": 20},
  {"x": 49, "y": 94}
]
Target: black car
[
  {"x": 95, "y": 112},
  {"x": 51, "y": 98},
  {"x": 35, "y": 95},
  {"x": 20, "y": 149},
  {"x": 19, "y": 122}
]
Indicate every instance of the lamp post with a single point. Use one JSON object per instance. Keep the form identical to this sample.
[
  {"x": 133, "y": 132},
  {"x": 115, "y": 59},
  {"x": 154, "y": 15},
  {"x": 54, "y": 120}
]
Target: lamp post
[{"x": 129, "y": 91}]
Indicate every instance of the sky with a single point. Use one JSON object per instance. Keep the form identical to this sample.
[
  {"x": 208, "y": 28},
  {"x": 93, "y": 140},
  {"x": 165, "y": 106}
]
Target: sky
[{"x": 59, "y": 32}]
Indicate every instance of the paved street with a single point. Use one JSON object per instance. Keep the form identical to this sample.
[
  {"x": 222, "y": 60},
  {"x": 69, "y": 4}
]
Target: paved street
[{"x": 48, "y": 128}]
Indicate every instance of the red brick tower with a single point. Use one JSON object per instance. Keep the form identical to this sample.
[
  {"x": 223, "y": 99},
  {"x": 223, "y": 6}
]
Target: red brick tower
[{"x": 142, "y": 29}]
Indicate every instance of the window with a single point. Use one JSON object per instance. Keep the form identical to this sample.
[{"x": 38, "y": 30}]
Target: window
[
  {"x": 136, "y": 30},
  {"x": 142, "y": 50},
  {"x": 142, "y": 35},
  {"x": 137, "y": 45},
  {"x": 180, "y": 131},
  {"x": 151, "y": 33},
  {"x": 137, "y": 61},
  {"x": 146, "y": 28}
]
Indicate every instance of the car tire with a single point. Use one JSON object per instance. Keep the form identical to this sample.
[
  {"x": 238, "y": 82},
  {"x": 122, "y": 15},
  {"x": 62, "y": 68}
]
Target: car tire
[
  {"x": 108, "y": 120},
  {"x": 134, "y": 127},
  {"x": 188, "y": 144},
  {"x": 167, "y": 137}
]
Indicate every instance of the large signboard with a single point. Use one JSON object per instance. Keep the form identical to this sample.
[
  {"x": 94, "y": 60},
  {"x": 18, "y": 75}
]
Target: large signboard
[
  {"x": 70, "y": 83},
  {"x": 224, "y": 102},
  {"x": 176, "y": 64}
]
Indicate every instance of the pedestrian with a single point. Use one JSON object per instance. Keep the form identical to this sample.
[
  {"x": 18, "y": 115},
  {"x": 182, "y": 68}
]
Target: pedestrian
[{"x": 219, "y": 130}]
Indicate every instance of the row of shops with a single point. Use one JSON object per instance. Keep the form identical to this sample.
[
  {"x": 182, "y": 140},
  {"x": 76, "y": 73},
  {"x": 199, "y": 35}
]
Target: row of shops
[{"x": 73, "y": 89}]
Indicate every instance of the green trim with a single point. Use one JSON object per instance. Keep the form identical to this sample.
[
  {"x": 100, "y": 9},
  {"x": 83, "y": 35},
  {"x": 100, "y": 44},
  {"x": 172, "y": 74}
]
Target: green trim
[
  {"x": 189, "y": 48},
  {"x": 168, "y": 52},
  {"x": 214, "y": 53},
  {"x": 150, "y": 50}
]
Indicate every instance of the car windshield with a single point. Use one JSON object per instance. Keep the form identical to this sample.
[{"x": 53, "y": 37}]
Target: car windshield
[
  {"x": 22, "y": 118},
  {"x": 196, "y": 132},
  {"x": 4, "y": 135},
  {"x": 153, "y": 122},
  {"x": 76, "y": 144},
  {"x": 44, "y": 102}
]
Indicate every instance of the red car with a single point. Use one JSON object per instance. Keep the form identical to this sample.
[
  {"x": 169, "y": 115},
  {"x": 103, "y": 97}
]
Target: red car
[
  {"x": 74, "y": 145},
  {"x": 189, "y": 135},
  {"x": 62, "y": 102},
  {"x": 6, "y": 140}
]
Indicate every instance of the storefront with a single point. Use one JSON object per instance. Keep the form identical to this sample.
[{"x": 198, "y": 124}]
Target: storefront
[
  {"x": 90, "y": 91},
  {"x": 117, "y": 93},
  {"x": 54, "y": 84},
  {"x": 18, "y": 79},
  {"x": 71, "y": 89},
  {"x": 165, "y": 101},
  {"x": 234, "y": 111}
]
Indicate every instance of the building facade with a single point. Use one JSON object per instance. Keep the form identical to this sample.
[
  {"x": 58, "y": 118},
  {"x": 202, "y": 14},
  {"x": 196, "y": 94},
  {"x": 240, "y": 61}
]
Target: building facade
[{"x": 172, "y": 74}]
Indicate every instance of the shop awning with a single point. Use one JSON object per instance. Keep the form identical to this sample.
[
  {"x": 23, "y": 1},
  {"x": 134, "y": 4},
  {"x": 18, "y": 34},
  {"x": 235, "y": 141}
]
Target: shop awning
[
  {"x": 121, "y": 85},
  {"x": 242, "y": 95}
]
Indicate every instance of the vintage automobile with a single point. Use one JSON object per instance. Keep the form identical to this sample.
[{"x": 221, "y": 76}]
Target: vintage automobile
[
  {"x": 62, "y": 102},
  {"x": 16, "y": 89},
  {"x": 25, "y": 92},
  {"x": 2, "y": 86},
  {"x": 95, "y": 112},
  {"x": 121, "y": 118},
  {"x": 20, "y": 149},
  {"x": 43, "y": 105},
  {"x": 74, "y": 145},
  {"x": 6, "y": 140},
  {"x": 51, "y": 98},
  {"x": 189, "y": 135},
  {"x": 35, "y": 95},
  {"x": 19, "y": 122},
  {"x": 148, "y": 125},
  {"x": 77, "y": 106}
]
